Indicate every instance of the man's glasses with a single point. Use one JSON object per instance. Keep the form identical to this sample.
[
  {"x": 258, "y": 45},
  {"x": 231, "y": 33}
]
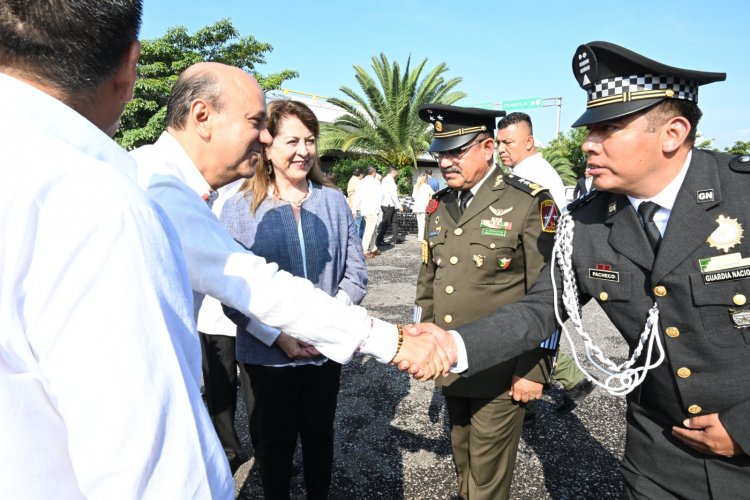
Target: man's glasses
[{"x": 455, "y": 154}]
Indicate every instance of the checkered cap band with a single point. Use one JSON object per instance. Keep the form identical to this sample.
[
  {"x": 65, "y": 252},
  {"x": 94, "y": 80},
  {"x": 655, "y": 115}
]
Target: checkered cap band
[{"x": 627, "y": 88}]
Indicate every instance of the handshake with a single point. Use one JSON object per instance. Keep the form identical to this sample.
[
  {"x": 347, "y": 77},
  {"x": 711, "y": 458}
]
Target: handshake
[{"x": 427, "y": 351}]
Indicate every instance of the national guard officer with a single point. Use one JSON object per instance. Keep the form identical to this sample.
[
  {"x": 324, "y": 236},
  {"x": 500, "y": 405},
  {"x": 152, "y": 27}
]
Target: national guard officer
[
  {"x": 487, "y": 237},
  {"x": 660, "y": 241}
]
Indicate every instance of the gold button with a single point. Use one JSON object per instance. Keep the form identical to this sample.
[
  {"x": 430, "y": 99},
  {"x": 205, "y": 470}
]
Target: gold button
[
  {"x": 695, "y": 409},
  {"x": 448, "y": 289},
  {"x": 603, "y": 296},
  {"x": 739, "y": 300},
  {"x": 660, "y": 291},
  {"x": 448, "y": 318},
  {"x": 432, "y": 243},
  {"x": 454, "y": 260},
  {"x": 458, "y": 231},
  {"x": 673, "y": 332},
  {"x": 492, "y": 245},
  {"x": 684, "y": 372}
]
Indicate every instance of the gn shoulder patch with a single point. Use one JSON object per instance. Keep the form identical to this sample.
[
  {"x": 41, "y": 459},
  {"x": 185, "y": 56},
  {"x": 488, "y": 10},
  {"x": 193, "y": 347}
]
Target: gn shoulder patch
[
  {"x": 740, "y": 163},
  {"x": 524, "y": 184}
]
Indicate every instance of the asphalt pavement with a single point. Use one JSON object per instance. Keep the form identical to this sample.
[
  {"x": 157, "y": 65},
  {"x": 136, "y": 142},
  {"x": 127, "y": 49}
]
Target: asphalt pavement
[{"x": 392, "y": 432}]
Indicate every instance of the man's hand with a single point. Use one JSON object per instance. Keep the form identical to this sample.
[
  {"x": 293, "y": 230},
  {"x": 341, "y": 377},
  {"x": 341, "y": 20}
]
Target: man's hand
[
  {"x": 423, "y": 356},
  {"x": 524, "y": 390},
  {"x": 444, "y": 341},
  {"x": 294, "y": 348},
  {"x": 706, "y": 434}
]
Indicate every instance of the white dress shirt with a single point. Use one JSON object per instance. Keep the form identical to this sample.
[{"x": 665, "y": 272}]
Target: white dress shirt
[
  {"x": 100, "y": 364},
  {"x": 221, "y": 267},
  {"x": 389, "y": 196},
  {"x": 368, "y": 196},
  {"x": 536, "y": 169}
]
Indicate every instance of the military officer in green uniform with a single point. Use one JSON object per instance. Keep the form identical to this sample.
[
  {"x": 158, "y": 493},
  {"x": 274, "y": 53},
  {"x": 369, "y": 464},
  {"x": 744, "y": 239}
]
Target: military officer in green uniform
[{"x": 487, "y": 236}]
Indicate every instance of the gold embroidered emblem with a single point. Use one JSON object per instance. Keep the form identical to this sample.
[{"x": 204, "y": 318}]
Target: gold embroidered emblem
[
  {"x": 438, "y": 126},
  {"x": 728, "y": 234},
  {"x": 478, "y": 260}
]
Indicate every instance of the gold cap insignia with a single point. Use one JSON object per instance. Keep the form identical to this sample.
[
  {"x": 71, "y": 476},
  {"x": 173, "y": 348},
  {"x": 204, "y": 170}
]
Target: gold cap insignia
[{"x": 438, "y": 126}]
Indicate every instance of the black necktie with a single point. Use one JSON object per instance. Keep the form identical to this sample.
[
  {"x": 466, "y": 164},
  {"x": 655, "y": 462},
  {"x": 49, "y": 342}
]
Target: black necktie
[
  {"x": 463, "y": 200},
  {"x": 646, "y": 210}
]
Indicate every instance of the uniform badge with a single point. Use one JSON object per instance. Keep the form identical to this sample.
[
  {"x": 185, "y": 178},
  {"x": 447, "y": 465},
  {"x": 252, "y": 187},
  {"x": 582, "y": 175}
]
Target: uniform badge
[
  {"x": 425, "y": 252},
  {"x": 478, "y": 260},
  {"x": 437, "y": 221},
  {"x": 498, "y": 180},
  {"x": 740, "y": 318},
  {"x": 727, "y": 235},
  {"x": 612, "y": 208},
  {"x": 495, "y": 223},
  {"x": 431, "y": 207},
  {"x": 503, "y": 263},
  {"x": 728, "y": 267},
  {"x": 438, "y": 126},
  {"x": 548, "y": 214},
  {"x": 499, "y": 212},
  {"x": 704, "y": 196}
]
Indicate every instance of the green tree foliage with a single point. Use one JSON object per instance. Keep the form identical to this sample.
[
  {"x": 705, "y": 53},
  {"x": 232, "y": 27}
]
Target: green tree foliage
[
  {"x": 565, "y": 154},
  {"x": 739, "y": 148},
  {"x": 164, "y": 58},
  {"x": 383, "y": 120}
]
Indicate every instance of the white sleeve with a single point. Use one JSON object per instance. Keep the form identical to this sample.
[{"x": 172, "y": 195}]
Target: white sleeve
[
  {"x": 109, "y": 334},
  {"x": 221, "y": 267}
]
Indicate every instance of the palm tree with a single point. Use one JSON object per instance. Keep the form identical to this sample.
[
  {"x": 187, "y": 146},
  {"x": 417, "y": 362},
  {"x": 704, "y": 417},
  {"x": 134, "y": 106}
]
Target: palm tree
[{"x": 383, "y": 122}]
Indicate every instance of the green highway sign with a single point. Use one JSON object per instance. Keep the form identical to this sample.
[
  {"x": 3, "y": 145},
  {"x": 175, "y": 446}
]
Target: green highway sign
[{"x": 531, "y": 102}]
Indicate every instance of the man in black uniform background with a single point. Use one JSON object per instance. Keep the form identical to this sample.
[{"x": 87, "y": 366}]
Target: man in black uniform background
[{"x": 688, "y": 431}]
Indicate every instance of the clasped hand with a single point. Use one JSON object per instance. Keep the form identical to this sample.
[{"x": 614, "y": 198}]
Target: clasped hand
[
  {"x": 296, "y": 349},
  {"x": 427, "y": 352}
]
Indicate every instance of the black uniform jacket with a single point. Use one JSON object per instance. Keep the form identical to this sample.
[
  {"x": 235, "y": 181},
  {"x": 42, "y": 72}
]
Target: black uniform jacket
[{"x": 704, "y": 310}]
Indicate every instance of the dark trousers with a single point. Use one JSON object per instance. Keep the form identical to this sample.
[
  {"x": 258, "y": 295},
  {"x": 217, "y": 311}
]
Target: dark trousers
[
  {"x": 289, "y": 402},
  {"x": 385, "y": 224},
  {"x": 220, "y": 391}
]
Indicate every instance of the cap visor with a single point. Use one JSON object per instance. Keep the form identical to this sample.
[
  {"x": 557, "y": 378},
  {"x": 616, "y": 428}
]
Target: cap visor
[{"x": 448, "y": 143}]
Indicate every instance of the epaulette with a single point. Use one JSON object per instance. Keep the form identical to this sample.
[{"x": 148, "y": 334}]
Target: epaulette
[
  {"x": 579, "y": 202},
  {"x": 524, "y": 184},
  {"x": 442, "y": 192},
  {"x": 740, "y": 163}
]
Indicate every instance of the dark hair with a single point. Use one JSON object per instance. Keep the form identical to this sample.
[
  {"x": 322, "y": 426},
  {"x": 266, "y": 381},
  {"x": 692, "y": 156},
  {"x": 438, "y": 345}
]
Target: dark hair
[
  {"x": 669, "y": 108},
  {"x": 191, "y": 85},
  {"x": 264, "y": 177},
  {"x": 357, "y": 172},
  {"x": 514, "y": 118},
  {"x": 371, "y": 170},
  {"x": 428, "y": 171},
  {"x": 75, "y": 45}
]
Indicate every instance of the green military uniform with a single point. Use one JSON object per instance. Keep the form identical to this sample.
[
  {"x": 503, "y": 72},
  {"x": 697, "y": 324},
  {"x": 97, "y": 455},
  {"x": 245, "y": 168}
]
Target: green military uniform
[{"x": 473, "y": 264}]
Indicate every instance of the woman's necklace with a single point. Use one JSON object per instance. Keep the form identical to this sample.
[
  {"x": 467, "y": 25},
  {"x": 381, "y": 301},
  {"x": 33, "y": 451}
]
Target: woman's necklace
[{"x": 297, "y": 203}]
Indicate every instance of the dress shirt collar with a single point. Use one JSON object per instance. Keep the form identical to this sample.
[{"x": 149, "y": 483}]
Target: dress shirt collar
[{"x": 189, "y": 172}]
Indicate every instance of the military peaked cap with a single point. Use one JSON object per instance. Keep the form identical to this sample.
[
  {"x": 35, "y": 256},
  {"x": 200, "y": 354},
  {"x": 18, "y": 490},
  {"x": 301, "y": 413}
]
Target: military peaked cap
[
  {"x": 619, "y": 82},
  {"x": 454, "y": 126}
]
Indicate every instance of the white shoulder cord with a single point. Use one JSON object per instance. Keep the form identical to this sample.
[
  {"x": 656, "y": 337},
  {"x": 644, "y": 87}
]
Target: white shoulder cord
[{"x": 620, "y": 380}]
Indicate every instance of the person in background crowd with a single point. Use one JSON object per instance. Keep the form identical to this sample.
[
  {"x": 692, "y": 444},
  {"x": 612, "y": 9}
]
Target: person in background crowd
[
  {"x": 367, "y": 202},
  {"x": 422, "y": 193},
  {"x": 432, "y": 181},
  {"x": 388, "y": 205},
  {"x": 99, "y": 358},
  {"x": 288, "y": 214},
  {"x": 583, "y": 186},
  {"x": 351, "y": 192},
  {"x": 515, "y": 145}
]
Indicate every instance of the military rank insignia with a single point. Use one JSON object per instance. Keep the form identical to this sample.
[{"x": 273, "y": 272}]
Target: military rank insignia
[
  {"x": 478, "y": 260},
  {"x": 548, "y": 214}
]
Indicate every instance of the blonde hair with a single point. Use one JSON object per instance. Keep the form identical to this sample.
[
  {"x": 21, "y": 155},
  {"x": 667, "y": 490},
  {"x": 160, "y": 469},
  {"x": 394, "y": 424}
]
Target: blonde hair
[
  {"x": 264, "y": 176},
  {"x": 421, "y": 179}
]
